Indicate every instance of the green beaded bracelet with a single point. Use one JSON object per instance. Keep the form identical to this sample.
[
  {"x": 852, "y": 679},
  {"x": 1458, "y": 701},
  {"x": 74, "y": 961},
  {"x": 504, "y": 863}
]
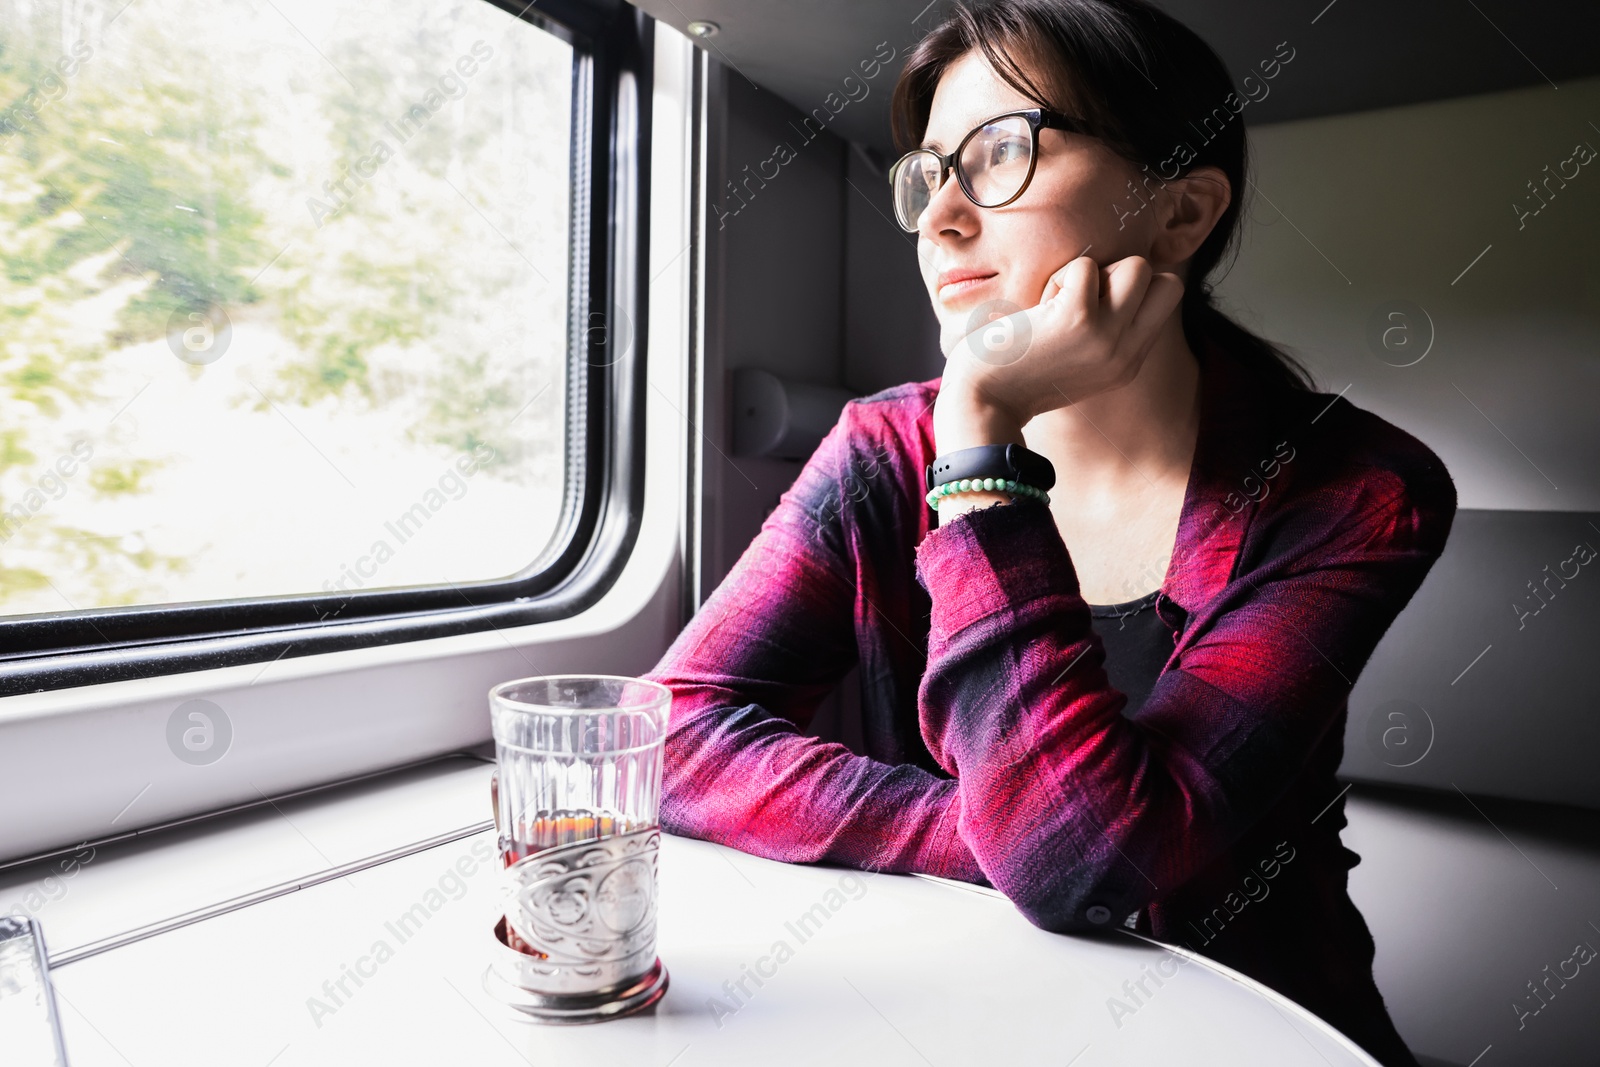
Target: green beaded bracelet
[{"x": 990, "y": 485}]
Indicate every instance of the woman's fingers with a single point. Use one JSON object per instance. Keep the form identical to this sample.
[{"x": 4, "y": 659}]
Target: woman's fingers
[
  {"x": 1138, "y": 301},
  {"x": 1162, "y": 295},
  {"x": 1126, "y": 282},
  {"x": 1080, "y": 280},
  {"x": 1090, "y": 333}
]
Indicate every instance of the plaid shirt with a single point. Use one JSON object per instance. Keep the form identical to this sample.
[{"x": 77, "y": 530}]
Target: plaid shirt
[{"x": 995, "y": 747}]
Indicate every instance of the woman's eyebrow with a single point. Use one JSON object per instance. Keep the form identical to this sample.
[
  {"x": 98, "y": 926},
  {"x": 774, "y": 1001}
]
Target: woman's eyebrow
[{"x": 932, "y": 143}]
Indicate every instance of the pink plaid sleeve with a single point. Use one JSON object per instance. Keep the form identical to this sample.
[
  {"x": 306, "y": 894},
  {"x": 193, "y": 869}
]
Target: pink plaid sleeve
[
  {"x": 1080, "y": 815},
  {"x": 747, "y": 674}
]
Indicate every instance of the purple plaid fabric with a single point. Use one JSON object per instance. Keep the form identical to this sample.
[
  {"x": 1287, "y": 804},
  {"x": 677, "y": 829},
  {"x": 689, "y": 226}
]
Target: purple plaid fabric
[{"x": 996, "y": 750}]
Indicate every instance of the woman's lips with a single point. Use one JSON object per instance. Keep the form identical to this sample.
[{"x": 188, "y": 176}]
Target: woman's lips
[{"x": 961, "y": 286}]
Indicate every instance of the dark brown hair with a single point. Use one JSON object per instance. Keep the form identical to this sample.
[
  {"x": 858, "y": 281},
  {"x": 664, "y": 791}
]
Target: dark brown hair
[{"x": 1146, "y": 84}]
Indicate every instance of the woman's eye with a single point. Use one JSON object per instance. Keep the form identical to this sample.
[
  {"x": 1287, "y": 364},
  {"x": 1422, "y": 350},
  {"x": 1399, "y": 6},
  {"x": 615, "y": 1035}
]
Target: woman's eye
[{"x": 1008, "y": 152}]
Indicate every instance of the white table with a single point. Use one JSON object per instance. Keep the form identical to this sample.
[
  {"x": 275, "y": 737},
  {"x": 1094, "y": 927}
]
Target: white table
[{"x": 890, "y": 969}]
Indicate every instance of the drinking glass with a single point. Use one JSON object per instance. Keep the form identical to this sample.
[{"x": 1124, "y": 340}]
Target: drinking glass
[{"x": 577, "y": 798}]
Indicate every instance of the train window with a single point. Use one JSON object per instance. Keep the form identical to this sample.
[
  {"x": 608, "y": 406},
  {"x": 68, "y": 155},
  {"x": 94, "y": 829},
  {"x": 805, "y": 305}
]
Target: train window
[
  {"x": 289, "y": 298},
  {"x": 278, "y": 320}
]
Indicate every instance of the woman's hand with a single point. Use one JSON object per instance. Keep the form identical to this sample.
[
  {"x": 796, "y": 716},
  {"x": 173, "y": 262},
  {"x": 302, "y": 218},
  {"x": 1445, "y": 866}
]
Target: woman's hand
[{"x": 1089, "y": 333}]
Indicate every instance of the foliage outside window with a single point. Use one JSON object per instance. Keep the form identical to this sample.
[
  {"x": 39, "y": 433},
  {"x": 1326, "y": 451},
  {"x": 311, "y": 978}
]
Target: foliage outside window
[{"x": 284, "y": 297}]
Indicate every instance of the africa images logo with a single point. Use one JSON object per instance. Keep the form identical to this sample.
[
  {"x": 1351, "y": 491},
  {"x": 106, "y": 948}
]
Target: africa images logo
[{"x": 199, "y": 732}]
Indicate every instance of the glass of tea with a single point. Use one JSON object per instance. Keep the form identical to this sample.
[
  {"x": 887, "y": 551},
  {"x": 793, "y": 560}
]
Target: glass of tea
[{"x": 577, "y": 799}]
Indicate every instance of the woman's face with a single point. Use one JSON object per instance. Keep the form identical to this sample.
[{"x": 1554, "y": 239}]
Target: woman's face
[{"x": 1078, "y": 199}]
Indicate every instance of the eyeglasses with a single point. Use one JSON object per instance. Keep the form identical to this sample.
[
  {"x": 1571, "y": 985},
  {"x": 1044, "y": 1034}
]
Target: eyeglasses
[{"x": 993, "y": 163}]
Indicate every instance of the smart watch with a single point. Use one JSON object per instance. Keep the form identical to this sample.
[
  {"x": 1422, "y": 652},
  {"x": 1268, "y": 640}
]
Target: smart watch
[{"x": 1012, "y": 462}]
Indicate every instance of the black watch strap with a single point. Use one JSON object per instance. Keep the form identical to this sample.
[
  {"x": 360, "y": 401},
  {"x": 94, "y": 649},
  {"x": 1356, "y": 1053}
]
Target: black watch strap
[{"x": 992, "y": 461}]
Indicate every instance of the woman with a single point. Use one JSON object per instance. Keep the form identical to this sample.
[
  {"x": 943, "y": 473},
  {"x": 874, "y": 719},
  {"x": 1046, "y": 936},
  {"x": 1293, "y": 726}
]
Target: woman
[{"x": 1123, "y": 707}]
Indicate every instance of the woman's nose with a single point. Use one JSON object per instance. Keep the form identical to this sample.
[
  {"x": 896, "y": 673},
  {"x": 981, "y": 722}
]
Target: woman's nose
[{"x": 948, "y": 211}]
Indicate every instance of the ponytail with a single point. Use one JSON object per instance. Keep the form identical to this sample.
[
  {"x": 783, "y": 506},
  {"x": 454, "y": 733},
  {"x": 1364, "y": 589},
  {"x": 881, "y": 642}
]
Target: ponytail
[{"x": 1206, "y": 325}]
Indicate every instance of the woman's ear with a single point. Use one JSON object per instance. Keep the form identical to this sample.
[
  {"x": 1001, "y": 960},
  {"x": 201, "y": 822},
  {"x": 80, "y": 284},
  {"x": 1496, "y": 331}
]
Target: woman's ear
[{"x": 1190, "y": 207}]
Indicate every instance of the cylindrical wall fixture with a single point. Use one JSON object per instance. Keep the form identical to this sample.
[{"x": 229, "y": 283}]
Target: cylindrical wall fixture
[{"x": 778, "y": 419}]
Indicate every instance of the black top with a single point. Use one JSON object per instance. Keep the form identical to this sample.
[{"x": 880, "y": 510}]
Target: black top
[{"x": 1137, "y": 641}]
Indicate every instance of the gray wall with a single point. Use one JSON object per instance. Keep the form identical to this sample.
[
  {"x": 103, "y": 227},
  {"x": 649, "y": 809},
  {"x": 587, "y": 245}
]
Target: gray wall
[
  {"x": 1357, "y": 210},
  {"x": 807, "y": 278},
  {"x": 1467, "y": 906},
  {"x": 774, "y": 293},
  {"x": 1468, "y": 899},
  {"x": 891, "y": 333},
  {"x": 815, "y": 284}
]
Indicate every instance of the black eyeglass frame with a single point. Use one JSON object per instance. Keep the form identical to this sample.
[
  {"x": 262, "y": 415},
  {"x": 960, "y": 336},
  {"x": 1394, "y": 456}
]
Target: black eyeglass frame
[{"x": 1038, "y": 118}]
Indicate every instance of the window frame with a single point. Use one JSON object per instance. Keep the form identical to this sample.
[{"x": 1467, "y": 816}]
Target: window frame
[{"x": 603, "y": 492}]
